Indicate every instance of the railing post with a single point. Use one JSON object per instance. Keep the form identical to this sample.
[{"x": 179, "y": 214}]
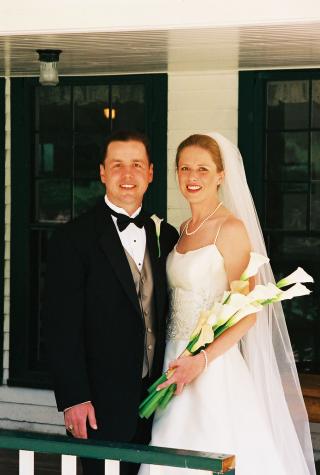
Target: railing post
[
  {"x": 68, "y": 465},
  {"x": 26, "y": 462},
  {"x": 112, "y": 467}
]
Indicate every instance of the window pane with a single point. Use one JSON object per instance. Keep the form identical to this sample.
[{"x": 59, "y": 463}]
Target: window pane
[
  {"x": 287, "y": 156},
  {"x": 315, "y": 207},
  {"x": 89, "y": 150},
  {"x": 52, "y": 200},
  {"x": 288, "y": 105},
  {"x": 286, "y": 206},
  {"x": 53, "y": 155},
  {"x": 90, "y": 104},
  {"x": 297, "y": 248},
  {"x": 302, "y": 315},
  {"x": 315, "y": 155},
  {"x": 315, "y": 106},
  {"x": 53, "y": 108},
  {"x": 128, "y": 107},
  {"x": 86, "y": 194}
]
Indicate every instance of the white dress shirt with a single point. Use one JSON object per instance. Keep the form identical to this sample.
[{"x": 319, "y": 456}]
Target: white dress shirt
[{"x": 132, "y": 238}]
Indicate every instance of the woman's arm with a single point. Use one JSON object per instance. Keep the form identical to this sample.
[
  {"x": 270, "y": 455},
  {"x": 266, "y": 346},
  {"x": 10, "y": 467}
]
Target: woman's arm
[{"x": 234, "y": 245}]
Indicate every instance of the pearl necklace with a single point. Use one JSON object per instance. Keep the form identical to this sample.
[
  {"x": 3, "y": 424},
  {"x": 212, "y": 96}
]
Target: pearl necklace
[{"x": 201, "y": 224}]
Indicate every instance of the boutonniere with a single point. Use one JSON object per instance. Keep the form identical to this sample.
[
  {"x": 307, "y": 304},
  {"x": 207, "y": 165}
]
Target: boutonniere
[{"x": 157, "y": 221}]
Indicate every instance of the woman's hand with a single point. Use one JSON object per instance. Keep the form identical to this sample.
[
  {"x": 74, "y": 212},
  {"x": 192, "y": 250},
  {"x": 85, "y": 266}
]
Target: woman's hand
[{"x": 186, "y": 369}]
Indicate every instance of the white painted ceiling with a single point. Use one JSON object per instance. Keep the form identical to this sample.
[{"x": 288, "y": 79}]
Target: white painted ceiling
[{"x": 199, "y": 49}]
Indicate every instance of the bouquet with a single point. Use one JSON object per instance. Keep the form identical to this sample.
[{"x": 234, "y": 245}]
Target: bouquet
[{"x": 234, "y": 305}]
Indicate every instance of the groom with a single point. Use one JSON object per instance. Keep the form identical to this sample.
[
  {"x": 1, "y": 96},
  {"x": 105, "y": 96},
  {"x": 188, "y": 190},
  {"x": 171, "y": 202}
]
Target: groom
[{"x": 106, "y": 304}]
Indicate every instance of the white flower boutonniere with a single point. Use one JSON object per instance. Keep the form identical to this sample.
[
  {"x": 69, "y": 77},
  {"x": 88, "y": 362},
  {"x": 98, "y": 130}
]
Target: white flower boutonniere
[{"x": 157, "y": 221}]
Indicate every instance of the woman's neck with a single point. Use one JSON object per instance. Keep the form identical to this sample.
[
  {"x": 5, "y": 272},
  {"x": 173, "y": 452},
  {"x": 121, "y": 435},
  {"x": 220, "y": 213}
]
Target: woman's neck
[{"x": 200, "y": 211}]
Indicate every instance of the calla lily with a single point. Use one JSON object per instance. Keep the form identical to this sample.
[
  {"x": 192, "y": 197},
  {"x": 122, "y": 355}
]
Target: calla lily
[
  {"x": 227, "y": 310},
  {"x": 157, "y": 221},
  {"x": 202, "y": 320},
  {"x": 299, "y": 275},
  {"x": 206, "y": 336},
  {"x": 297, "y": 290},
  {"x": 244, "y": 312},
  {"x": 240, "y": 286},
  {"x": 256, "y": 261},
  {"x": 263, "y": 292}
]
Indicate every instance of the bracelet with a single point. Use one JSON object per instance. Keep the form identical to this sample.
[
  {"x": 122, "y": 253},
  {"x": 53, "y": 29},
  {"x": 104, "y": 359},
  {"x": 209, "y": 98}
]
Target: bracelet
[{"x": 206, "y": 359}]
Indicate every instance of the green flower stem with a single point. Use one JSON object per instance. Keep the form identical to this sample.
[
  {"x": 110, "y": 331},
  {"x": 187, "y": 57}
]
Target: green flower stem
[
  {"x": 168, "y": 396},
  {"x": 148, "y": 407},
  {"x": 160, "y": 380}
]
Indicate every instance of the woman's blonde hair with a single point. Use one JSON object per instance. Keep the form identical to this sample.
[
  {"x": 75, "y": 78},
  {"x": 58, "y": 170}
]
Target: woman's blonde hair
[{"x": 205, "y": 142}]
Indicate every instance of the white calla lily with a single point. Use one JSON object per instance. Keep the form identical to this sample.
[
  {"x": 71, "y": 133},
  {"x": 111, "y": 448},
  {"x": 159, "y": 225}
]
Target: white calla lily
[
  {"x": 206, "y": 336},
  {"x": 227, "y": 310},
  {"x": 297, "y": 290},
  {"x": 263, "y": 292},
  {"x": 157, "y": 221},
  {"x": 299, "y": 275},
  {"x": 244, "y": 312},
  {"x": 256, "y": 261},
  {"x": 202, "y": 320}
]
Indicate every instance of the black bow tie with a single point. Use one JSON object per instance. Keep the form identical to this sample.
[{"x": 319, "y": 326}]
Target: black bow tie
[{"x": 123, "y": 220}]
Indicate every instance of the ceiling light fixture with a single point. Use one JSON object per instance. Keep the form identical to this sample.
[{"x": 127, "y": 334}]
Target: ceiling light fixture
[{"x": 48, "y": 66}]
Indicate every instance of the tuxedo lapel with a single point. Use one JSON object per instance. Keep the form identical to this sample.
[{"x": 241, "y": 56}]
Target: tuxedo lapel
[
  {"x": 152, "y": 244},
  {"x": 112, "y": 247}
]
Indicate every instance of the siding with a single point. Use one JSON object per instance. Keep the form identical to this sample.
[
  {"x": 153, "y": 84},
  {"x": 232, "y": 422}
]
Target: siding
[{"x": 197, "y": 103}]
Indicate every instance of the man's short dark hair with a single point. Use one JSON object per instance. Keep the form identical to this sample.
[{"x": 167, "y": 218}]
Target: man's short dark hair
[{"x": 126, "y": 136}]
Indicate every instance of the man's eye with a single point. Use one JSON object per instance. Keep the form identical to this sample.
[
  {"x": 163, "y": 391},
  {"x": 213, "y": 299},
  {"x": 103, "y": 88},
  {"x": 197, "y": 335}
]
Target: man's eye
[
  {"x": 202, "y": 169},
  {"x": 184, "y": 169}
]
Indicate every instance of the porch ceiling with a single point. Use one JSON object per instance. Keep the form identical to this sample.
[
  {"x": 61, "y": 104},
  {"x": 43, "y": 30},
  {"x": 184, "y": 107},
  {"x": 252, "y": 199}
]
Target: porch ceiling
[{"x": 223, "y": 48}]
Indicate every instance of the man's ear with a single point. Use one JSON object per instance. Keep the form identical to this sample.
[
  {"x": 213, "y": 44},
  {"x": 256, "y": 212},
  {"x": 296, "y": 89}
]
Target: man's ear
[
  {"x": 150, "y": 172},
  {"x": 102, "y": 173}
]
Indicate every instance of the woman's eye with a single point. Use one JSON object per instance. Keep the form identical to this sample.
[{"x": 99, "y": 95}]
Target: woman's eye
[
  {"x": 202, "y": 169},
  {"x": 184, "y": 169}
]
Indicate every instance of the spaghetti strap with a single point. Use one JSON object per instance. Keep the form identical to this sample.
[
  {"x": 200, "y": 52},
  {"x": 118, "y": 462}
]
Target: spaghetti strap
[{"x": 217, "y": 235}]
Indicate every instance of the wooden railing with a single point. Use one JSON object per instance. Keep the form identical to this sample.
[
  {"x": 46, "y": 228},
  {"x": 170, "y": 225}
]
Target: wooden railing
[{"x": 29, "y": 443}]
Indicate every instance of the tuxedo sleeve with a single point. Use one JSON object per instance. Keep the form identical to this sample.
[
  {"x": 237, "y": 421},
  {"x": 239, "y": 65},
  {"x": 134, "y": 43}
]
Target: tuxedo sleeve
[{"x": 64, "y": 314}]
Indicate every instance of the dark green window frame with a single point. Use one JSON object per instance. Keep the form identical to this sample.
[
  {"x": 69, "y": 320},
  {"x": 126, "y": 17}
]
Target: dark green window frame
[
  {"x": 21, "y": 374},
  {"x": 2, "y": 226},
  {"x": 251, "y": 139}
]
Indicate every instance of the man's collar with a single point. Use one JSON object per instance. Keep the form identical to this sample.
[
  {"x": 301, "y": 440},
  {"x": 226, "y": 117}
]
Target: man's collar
[{"x": 120, "y": 210}]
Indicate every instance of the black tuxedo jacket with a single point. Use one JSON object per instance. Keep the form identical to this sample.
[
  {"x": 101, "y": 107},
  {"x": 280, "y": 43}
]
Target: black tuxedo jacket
[{"x": 94, "y": 328}]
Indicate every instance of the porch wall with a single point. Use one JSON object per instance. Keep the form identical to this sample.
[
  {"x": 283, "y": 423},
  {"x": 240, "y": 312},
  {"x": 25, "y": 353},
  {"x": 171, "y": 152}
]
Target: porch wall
[{"x": 197, "y": 103}]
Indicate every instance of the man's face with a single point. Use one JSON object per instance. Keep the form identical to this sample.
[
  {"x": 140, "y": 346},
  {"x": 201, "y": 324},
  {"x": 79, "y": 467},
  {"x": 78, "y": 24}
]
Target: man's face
[{"x": 126, "y": 174}]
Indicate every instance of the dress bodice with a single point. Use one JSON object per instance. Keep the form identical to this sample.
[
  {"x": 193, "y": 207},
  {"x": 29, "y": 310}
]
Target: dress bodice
[{"x": 195, "y": 280}]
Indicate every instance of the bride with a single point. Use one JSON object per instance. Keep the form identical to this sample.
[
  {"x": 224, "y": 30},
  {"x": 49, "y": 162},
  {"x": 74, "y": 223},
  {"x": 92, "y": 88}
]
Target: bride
[{"x": 241, "y": 395}]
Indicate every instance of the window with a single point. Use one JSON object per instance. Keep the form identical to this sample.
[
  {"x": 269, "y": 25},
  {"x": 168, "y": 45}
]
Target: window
[
  {"x": 58, "y": 138},
  {"x": 279, "y": 136}
]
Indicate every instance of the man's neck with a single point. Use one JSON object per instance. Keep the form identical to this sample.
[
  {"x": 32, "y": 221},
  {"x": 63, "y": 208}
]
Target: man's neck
[{"x": 119, "y": 209}]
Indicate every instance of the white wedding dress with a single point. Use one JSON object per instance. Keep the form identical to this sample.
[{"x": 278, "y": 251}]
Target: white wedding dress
[{"x": 220, "y": 410}]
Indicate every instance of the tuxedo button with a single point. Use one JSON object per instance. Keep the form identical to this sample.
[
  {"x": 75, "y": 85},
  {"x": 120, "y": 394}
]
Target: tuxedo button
[
  {"x": 149, "y": 330},
  {"x": 149, "y": 347}
]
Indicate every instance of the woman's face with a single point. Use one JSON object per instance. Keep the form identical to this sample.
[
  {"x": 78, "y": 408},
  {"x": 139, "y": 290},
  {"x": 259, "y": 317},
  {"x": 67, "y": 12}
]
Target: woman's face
[{"x": 198, "y": 175}]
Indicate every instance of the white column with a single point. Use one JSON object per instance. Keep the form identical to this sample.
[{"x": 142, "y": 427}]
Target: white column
[
  {"x": 112, "y": 467},
  {"x": 68, "y": 465},
  {"x": 26, "y": 462}
]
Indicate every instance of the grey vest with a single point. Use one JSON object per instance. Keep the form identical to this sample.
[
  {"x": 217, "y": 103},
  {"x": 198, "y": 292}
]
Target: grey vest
[{"x": 144, "y": 286}]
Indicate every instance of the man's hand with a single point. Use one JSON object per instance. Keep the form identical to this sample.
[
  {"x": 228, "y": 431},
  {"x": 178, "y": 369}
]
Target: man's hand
[{"x": 75, "y": 419}]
